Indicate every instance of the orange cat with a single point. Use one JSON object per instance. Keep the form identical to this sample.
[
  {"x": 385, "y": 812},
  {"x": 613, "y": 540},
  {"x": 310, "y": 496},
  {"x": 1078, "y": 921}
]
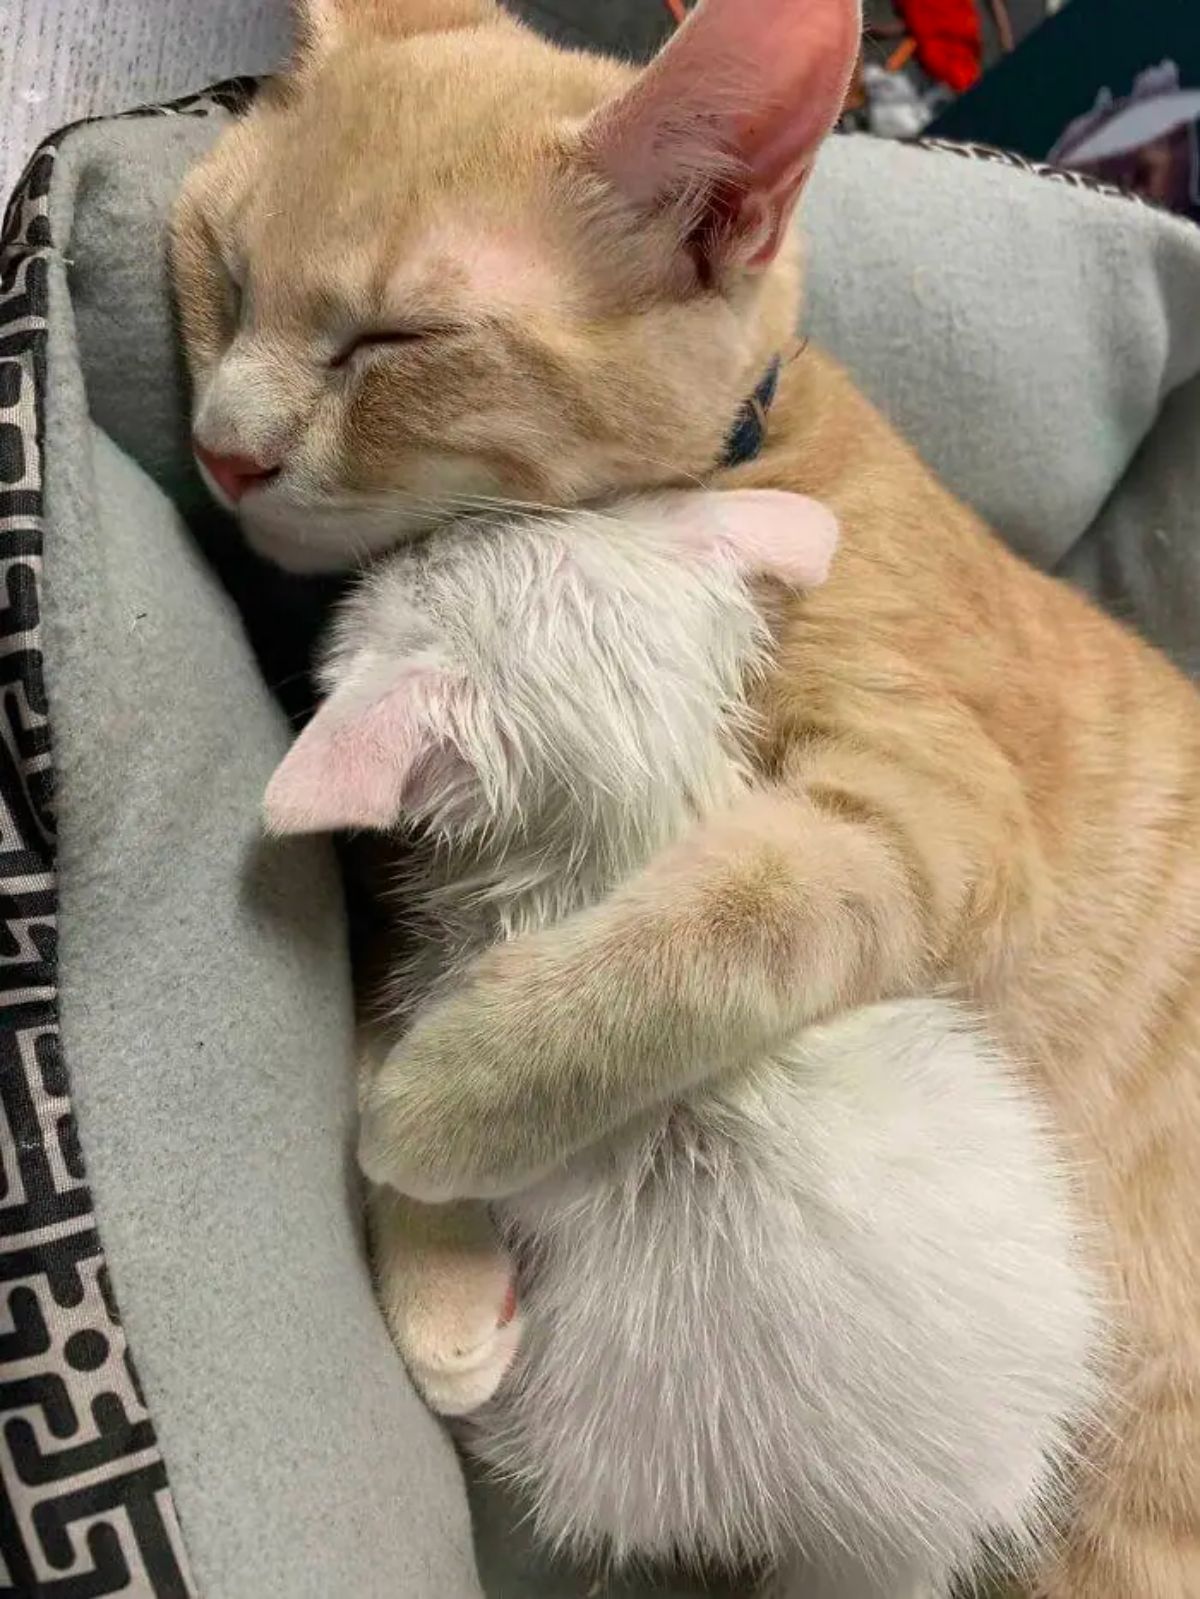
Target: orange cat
[{"x": 442, "y": 262}]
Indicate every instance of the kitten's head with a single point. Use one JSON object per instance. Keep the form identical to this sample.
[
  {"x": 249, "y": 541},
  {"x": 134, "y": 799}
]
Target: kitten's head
[
  {"x": 442, "y": 258},
  {"x": 570, "y": 677}
]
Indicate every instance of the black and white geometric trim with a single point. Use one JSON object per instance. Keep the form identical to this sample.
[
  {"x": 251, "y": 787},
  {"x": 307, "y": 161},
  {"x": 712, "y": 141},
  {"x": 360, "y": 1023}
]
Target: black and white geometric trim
[
  {"x": 85, "y": 1507},
  {"x": 1038, "y": 169}
]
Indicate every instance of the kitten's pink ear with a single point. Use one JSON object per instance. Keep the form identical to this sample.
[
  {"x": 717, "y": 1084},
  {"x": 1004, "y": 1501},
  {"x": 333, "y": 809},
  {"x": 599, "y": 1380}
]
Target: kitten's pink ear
[
  {"x": 726, "y": 121},
  {"x": 323, "y": 25},
  {"x": 360, "y": 761},
  {"x": 787, "y": 536}
]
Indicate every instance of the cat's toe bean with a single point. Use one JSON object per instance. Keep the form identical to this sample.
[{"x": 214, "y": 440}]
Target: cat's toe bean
[
  {"x": 453, "y": 1312},
  {"x": 461, "y": 1377}
]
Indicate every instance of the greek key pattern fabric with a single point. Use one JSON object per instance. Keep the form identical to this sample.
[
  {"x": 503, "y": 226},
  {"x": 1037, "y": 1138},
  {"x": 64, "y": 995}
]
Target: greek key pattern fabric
[
  {"x": 1038, "y": 169},
  {"x": 85, "y": 1506}
]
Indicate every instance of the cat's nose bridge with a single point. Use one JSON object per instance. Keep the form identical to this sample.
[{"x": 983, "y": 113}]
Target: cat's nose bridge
[{"x": 253, "y": 407}]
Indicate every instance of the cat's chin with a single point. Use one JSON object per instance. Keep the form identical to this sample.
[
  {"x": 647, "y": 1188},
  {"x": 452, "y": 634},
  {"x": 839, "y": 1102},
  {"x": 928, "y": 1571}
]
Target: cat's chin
[
  {"x": 312, "y": 540},
  {"x": 302, "y": 560}
]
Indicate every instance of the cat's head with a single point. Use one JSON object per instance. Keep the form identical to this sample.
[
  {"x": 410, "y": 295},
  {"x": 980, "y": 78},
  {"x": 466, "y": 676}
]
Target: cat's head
[
  {"x": 442, "y": 258},
  {"x": 583, "y": 670}
]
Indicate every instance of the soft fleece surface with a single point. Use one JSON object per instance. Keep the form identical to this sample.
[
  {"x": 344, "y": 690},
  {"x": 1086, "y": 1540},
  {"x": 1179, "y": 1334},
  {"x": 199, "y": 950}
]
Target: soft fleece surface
[
  {"x": 1039, "y": 342},
  {"x": 206, "y": 1015}
]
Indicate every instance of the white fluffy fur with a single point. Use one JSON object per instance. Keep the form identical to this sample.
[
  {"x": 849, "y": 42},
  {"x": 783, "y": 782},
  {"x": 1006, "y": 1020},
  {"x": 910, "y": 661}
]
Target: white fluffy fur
[
  {"x": 831, "y": 1307},
  {"x": 584, "y": 683},
  {"x": 830, "y": 1315}
]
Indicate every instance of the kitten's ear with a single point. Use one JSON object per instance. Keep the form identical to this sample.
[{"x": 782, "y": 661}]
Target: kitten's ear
[
  {"x": 787, "y": 536},
  {"x": 370, "y": 753},
  {"x": 323, "y": 25},
  {"x": 725, "y": 123}
]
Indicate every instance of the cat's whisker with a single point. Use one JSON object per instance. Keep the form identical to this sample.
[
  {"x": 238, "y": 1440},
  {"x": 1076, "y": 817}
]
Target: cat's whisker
[{"x": 501, "y": 503}]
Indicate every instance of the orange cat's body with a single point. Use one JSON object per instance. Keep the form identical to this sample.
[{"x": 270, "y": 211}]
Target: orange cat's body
[
  {"x": 1034, "y": 770},
  {"x": 971, "y": 780}
]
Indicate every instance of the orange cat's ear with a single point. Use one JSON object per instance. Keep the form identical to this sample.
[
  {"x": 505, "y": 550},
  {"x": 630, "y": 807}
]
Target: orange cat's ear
[
  {"x": 324, "y": 25},
  {"x": 725, "y": 123}
]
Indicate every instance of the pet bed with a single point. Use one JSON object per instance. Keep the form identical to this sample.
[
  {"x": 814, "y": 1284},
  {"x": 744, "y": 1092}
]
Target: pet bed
[{"x": 175, "y": 1184}]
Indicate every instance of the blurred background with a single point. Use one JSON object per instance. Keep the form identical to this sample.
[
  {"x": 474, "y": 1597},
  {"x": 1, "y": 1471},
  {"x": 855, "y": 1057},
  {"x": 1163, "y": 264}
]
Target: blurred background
[{"x": 1111, "y": 87}]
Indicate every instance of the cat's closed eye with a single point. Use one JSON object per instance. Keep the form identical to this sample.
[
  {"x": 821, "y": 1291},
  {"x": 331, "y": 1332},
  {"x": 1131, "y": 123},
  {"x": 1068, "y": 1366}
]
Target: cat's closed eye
[{"x": 382, "y": 338}]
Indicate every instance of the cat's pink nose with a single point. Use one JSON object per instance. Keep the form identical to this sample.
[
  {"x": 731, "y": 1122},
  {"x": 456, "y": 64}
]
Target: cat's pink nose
[{"x": 233, "y": 474}]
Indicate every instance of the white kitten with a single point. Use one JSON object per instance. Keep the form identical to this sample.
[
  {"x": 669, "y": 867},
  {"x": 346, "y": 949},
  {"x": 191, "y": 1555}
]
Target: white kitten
[{"x": 828, "y": 1315}]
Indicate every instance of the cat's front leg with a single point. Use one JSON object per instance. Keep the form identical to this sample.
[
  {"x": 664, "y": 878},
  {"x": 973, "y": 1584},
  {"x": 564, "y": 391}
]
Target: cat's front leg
[
  {"x": 447, "y": 1288},
  {"x": 792, "y": 906}
]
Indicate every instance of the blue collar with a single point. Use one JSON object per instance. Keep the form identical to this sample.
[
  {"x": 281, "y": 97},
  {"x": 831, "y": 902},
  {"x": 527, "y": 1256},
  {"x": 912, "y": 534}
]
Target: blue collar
[{"x": 749, "y": 430}]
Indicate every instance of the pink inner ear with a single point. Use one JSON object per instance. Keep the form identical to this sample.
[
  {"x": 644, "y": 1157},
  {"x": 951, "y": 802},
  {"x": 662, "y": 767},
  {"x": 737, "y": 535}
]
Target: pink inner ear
[
  {"x": 738, "y": 104},
  {"x": 789, "y": 536},
  {"x": 353, "y": 765}
]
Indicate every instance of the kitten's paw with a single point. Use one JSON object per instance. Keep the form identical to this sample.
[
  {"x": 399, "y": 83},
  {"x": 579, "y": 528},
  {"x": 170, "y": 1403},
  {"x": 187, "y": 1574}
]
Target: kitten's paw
[
  {"x": 461, "y": 1370},
  {"x": 459, "y": 1344}
]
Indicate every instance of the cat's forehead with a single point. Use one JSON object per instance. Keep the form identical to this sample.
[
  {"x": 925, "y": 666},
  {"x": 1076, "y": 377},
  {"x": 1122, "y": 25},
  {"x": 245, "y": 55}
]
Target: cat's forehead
[
  {"x": 410, "y": 180},
  {"x": 506, "y": 262},
  {"x": 310, "y": 230},
  {"x": 452, "y": 260},
  {"x": 411, "y": 124}
]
